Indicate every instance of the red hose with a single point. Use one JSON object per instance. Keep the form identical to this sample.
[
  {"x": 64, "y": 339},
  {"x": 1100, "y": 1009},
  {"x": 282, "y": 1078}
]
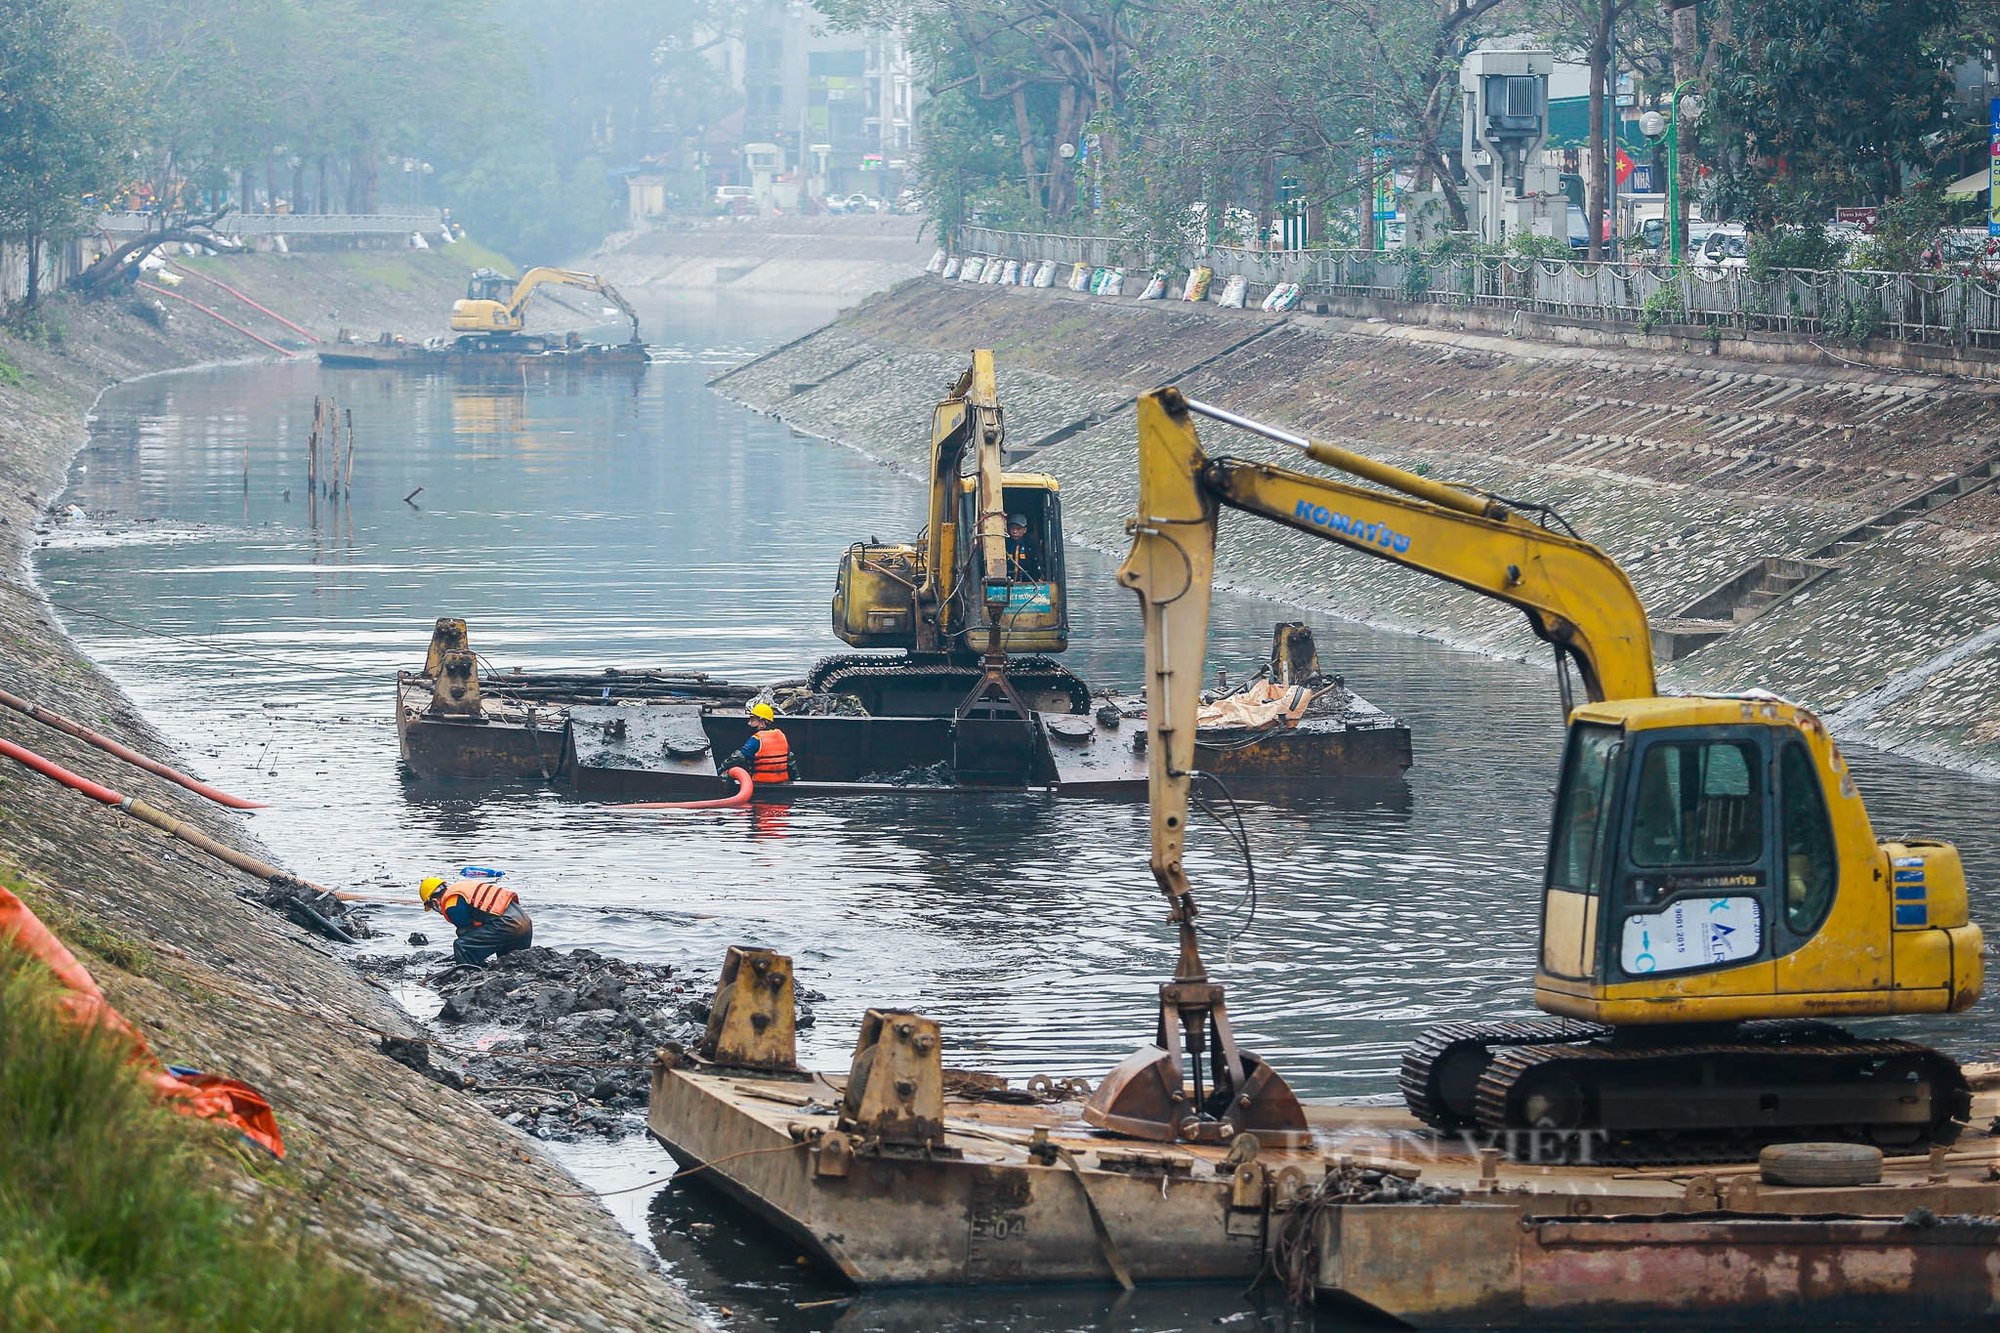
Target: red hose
[
  {"x": 50, "y": 718},
  {"x": 50, "y": 769},
  {"x": 216, "y": 315},
  {"x": 744, "y": 784}
]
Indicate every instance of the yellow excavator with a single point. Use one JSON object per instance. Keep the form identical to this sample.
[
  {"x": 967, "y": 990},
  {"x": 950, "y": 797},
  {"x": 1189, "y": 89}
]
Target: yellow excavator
[
  {"x": 963, "y": 596},
  {"x": 497, "y": 304},
  {"x": 1714, "y": 891}
]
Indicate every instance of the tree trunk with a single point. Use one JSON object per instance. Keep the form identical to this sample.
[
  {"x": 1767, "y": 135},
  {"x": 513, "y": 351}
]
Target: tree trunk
[
  {"x": 1685, "y": 36},
  {"x": 34, "y": 290},
  {"x": 1267, "y": 200},
  {"x": 319, "y": 195},
  {"x": 1037, "y": 190},
  {"x": 1595, "y": 202},
  {"x": 270, "y": 181},
  {"x": 1062, "y": 170},
  {"x": 1368, "y": 194},
  {"x": 299, "y": 185},
  {"x": 243, "y": 189}
]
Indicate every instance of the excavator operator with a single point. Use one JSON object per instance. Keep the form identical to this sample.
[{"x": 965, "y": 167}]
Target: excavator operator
[
  {"x": 766, "y": 755},
  {"x": 1024, "y": 562},
  {"x": 488, "y": 917}
]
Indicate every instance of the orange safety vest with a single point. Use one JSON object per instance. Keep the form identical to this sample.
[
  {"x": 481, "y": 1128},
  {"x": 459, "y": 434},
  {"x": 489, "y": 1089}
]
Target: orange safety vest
[
  {"x": 774, "y": 758},
  {"x": 486, "y": 896}
]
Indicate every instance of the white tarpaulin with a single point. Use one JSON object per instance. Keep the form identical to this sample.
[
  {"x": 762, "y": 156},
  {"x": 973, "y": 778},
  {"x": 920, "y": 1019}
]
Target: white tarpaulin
[{"x": 1264, "y": 704}]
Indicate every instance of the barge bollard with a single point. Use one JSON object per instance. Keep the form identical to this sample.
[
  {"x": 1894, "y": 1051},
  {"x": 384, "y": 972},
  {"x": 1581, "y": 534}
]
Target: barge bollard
[{"x": 753, "y": 1022}]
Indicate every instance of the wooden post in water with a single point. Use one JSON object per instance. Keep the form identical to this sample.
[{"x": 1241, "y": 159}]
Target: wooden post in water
[
  {"x": 312, "y": 450},
  {"x": 347, "y": 482}
]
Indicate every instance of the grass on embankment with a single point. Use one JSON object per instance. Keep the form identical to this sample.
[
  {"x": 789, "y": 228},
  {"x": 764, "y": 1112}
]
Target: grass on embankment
[{"x": 111, "y": 1211}]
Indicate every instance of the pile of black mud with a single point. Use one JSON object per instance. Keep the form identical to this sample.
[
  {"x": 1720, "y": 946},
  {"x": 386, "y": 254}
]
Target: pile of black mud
[{"x": 559, "y": 1043}]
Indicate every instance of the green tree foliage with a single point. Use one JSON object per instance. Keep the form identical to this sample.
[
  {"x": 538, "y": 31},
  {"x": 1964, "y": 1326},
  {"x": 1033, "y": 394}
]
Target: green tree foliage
[
  {"x": 60, "y": 113},
  {"x": 1817, "y": 102}
]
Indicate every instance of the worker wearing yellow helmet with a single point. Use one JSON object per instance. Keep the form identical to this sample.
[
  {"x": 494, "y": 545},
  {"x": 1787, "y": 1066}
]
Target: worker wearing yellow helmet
[
  {"x": 488, "y": 918},
  {"x": 767, "y": 754}
]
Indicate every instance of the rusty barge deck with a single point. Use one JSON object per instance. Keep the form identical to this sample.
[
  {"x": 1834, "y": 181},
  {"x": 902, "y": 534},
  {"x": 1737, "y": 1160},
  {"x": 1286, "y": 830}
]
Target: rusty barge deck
[{"x": 902, "y": 1172}]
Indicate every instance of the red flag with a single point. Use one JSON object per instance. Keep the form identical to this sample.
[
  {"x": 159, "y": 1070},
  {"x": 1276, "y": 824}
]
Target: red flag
[{"x": 1623, "y": 166}]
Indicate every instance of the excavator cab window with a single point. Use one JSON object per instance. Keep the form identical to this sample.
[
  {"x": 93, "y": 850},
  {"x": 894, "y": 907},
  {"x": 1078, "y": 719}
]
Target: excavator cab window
[
  {"x": 1576, "y": 859},
  {"x": 1810, "y": 868},
  {"x": 486, "y": 285},
  {"x": 1695, "y": 869},
  {"x": 1697, "y": 805}
]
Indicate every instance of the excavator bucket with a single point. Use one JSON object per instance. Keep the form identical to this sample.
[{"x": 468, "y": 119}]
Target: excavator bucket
[{"x": 1148, "y": 1096}]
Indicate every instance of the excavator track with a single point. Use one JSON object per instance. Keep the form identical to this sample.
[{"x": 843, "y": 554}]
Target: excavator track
[
  {"x": 866, "y": 675},
  {"x": 1625, "y": 1102},
  {"x": 1441, "y": 1069}
]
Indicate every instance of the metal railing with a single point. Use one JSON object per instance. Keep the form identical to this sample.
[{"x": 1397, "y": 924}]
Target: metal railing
[
  {"x": 287, "y": 224},
  {"x": 1942, "y": 309}
]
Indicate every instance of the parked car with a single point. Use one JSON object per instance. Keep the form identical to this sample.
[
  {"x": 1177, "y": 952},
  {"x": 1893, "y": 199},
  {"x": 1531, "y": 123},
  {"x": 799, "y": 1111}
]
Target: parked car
[
  {"x": 1725, "y": 246},
  {"x": 861, "y": 203},
  {"x": 734, "y": 199},
  {"x": 1967, "y": 250},
  {"x": 1579, "y": 230}
]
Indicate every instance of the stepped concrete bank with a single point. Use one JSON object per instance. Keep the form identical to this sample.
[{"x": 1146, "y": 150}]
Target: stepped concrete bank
[
  {"x": 390, "y": 1173},
  {"x": 1691, "y": 469}
]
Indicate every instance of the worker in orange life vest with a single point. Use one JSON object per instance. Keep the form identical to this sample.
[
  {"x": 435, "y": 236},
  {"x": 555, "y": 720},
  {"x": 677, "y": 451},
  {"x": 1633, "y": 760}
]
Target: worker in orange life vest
[
  {"x": 767, "y": 755},
  {"x": 488, "y": 918}
]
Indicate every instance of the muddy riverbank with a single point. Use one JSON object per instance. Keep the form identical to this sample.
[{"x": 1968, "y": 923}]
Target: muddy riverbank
[
  {"x": 1690, "y": 469},
  {"x": 407, "y": 1180}
]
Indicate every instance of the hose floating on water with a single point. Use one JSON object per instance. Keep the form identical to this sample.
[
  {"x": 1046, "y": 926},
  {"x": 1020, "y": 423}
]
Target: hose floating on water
[
  {"x": 744, "y": 785},
  {"x": 50, "y": 718}
]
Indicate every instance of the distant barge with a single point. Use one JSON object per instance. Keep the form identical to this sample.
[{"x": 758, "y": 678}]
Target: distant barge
[
  {"x": 903, "y": 1172},
  {"x": 391, "y": 352},
  {"x": 655, "y": 735}
]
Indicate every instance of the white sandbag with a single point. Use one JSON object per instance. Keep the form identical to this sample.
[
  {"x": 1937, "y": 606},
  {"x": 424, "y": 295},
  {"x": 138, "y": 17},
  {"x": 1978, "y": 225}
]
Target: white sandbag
[
  {"x": 1010, "y": 273},
  {"x": 974, "y": 267},
  {"x": 1045, "y": 276},
  {"x": 1079, "y": 277},
  {"x": 1197, "y": 283},
  {"x": 937, "y": 263},
  {"x": 1114, "y": 282},
  {"x": 1233, "y": 292},
  {"x": 1156, "y": 289},
  {"x": 951, "y": 267}
]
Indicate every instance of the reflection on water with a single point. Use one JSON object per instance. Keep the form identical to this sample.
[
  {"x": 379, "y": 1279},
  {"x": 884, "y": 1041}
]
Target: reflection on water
[{"x": 639, "y": 519}]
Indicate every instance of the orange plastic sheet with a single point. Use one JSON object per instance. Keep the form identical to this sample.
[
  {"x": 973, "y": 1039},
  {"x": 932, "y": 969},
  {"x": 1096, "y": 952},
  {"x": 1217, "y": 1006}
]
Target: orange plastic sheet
[{"x": 192, "y": 1093}]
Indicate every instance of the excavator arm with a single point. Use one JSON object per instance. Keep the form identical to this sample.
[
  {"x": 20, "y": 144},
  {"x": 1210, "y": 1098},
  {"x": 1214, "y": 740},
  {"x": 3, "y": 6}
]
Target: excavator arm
[
  {"x": 1573, "y": 594},
  {"x": 538, "y": 277},
  {"x": 967, "y": 418}
]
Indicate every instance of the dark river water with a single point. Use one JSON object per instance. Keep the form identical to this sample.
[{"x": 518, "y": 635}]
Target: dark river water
[{"x": 643, "y": 520}]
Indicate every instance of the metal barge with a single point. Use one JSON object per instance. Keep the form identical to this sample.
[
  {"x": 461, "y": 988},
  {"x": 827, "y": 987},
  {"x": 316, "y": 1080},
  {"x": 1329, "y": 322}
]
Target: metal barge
[
  {"x": 503, "y": 351},
  {"x": 903, "y": 1172},
  {"x": 653, "y": 735}
]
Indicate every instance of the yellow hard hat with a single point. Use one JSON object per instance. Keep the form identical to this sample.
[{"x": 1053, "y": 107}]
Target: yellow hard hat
[
  {"x": 765, "y": 711},
  {"x": 428, "y": 889}
]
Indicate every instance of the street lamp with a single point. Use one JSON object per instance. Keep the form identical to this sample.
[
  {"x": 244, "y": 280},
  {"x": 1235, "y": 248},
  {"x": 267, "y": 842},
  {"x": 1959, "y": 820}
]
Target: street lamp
[{"x": 1652, "y": 125}]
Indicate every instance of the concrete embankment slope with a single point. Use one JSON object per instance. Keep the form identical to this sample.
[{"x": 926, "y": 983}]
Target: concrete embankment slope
[
  {"x": 1689, "y": 469},
  {"x": 838, "y": 258},
  {"x": 392, "y": 1174}
]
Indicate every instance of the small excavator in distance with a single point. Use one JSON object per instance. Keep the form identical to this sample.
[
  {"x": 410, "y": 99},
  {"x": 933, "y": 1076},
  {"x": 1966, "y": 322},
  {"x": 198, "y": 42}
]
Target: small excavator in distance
[
  {"x": 493, "y": 312},
  {"x": 1714, "y": 892},
  {"x": 949, "y": 599}
]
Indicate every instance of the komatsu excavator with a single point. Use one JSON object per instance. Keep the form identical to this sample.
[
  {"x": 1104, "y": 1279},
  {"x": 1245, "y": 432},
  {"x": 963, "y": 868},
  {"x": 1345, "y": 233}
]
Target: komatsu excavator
[
  {"x": 496, "y": 304},
  {"x": 954, "y": 600},
  {"x": 1714, "y": 891}
]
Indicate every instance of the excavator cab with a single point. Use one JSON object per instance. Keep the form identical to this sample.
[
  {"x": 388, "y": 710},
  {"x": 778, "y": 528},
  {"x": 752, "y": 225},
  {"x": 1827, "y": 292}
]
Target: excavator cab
[
  {"x": 488, "y": 284},
  {"x": 1036, "y": 619},
  {"x": 1711, "y": 862}
]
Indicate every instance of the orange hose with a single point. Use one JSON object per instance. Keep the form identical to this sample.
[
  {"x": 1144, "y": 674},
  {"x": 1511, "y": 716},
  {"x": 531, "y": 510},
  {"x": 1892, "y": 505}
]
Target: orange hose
[
  {"x": 744, "y": 785},
  {"x": 50, "y": 718}
]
